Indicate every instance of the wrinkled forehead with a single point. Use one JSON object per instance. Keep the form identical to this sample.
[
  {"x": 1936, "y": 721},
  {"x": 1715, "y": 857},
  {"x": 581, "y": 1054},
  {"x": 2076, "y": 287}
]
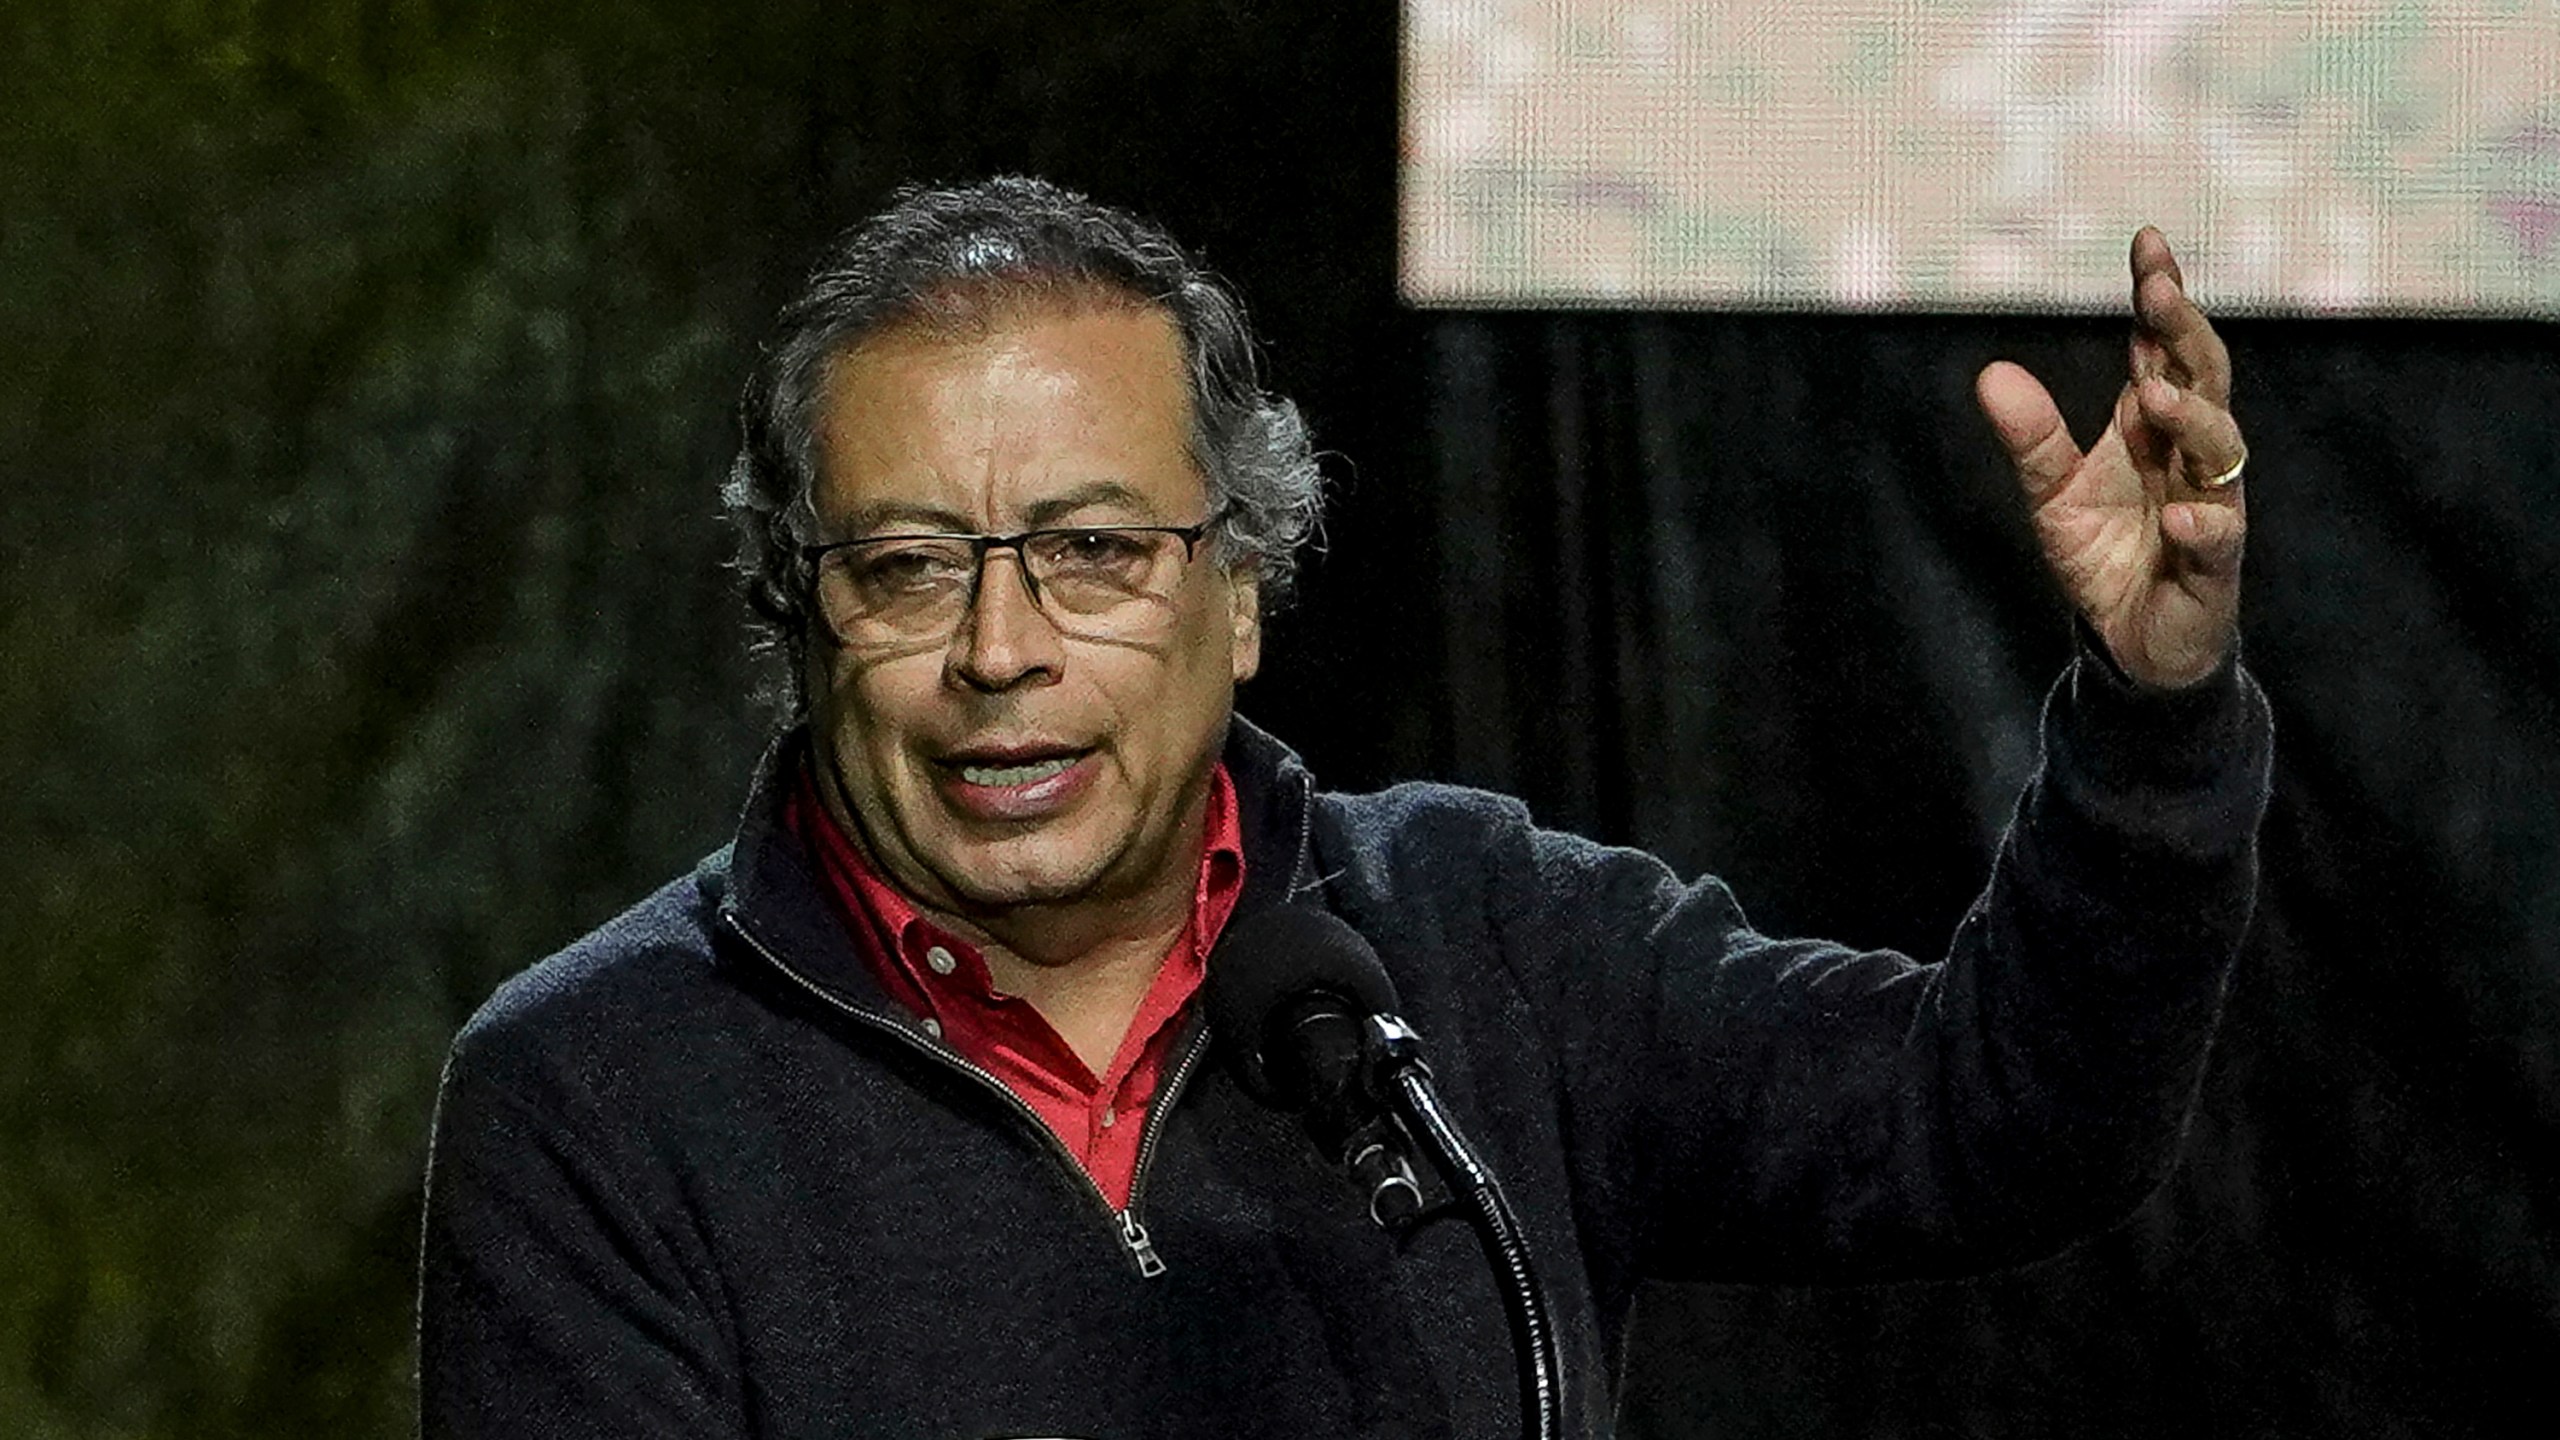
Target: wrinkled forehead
[
  {"x": 995, "y": 418},
  {"x": 974, "y": 310}
]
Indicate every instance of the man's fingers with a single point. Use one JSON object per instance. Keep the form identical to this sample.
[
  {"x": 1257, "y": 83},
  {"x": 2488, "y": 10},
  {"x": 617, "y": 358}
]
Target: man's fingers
[
  {"x": 2146, "y": 356},
  {"x": 2151, "y": 252},
  {"x": 2162, "y": 311},
  {"x": 2030, "y": 428},
  {"x": 2196, "y": 354},
  {"x": 2204, "y": 436}
]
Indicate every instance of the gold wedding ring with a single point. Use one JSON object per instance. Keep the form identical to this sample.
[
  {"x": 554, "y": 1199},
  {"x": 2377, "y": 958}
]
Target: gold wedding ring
[{"x": 2225, "y": 479}]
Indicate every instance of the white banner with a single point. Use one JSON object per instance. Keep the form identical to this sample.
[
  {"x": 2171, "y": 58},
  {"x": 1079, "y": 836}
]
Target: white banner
[{"x": 2311, "y": 156}]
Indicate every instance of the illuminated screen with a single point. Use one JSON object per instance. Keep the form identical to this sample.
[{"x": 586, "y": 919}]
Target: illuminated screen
[{"x": 2315, "y": 156}]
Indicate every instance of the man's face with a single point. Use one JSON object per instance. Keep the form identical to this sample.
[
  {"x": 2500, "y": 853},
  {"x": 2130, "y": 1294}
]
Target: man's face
[{"x": 1012, "y": 764}]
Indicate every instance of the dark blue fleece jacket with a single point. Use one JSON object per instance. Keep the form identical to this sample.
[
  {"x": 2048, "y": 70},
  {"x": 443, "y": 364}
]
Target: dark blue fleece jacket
[{"x": 695, "y": 1176}]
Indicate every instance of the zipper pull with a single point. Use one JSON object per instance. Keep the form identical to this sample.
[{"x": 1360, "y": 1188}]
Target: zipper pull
[{"x": 1133, "y": 1237}]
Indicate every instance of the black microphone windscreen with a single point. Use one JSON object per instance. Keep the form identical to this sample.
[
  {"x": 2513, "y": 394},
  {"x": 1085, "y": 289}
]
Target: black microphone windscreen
[{"x": 1271, "y": 961}]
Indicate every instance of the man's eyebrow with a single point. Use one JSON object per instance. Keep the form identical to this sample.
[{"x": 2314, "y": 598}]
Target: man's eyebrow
[
  {"x": 897, "y": 517},
  {"x": 1047, "y": 512},
  {"x": 901, "y": 517}
]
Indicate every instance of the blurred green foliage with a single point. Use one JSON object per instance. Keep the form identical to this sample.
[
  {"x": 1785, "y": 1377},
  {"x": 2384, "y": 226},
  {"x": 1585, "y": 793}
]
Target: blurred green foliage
[{"x": 361, "y": 633}]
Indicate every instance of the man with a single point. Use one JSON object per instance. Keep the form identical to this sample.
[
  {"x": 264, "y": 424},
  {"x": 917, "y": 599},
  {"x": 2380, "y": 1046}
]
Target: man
[{"x": 897, "y": 1117}]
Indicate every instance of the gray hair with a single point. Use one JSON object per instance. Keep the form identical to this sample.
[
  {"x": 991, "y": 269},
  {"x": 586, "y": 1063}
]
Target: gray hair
[{"x": 944, "y": 258}]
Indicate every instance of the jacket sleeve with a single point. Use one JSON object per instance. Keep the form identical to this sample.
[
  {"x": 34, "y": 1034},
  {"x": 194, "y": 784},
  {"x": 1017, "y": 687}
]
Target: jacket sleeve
[
  {"x": 561, "y": 1292},
  {"x": 1757, "y": 1109}
]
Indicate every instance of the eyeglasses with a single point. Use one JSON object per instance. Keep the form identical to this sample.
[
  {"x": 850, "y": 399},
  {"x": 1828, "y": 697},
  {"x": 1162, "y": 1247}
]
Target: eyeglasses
[{"x": 1103, "y": 581}]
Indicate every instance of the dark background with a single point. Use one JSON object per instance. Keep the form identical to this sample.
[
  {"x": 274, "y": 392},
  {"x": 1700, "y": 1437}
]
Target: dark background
[{"x": 364, "y": 372}]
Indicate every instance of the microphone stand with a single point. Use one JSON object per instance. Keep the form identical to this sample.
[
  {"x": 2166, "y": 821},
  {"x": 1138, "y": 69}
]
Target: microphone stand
[{"x": 1396, "y": 1076}]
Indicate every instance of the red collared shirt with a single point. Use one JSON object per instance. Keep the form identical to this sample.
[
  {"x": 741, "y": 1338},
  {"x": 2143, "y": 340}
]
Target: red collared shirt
[{"x": 944, "y": 980}]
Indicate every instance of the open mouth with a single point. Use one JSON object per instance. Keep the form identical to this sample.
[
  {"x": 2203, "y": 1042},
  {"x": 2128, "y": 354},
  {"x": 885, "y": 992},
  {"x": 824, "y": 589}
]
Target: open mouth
[
  {"x": 1008, "y": 776},
  {"x": 1031, "y": 782}
]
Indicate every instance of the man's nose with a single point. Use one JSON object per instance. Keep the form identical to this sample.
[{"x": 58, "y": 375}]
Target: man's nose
[{"x": 1006, "y": 640}]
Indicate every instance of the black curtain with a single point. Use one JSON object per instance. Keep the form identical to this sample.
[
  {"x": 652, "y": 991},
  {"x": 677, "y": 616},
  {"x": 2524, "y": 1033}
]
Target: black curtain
[{"x": 1757, "y": 593}]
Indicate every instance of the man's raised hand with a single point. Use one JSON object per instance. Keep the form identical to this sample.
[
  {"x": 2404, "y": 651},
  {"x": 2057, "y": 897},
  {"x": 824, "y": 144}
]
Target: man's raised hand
[{"x": 2145, "y": 547}]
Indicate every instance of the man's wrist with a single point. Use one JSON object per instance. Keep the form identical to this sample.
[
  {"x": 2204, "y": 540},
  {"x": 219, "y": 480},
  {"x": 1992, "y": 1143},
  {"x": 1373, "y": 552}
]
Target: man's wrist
[{"x": 2141, "y": 734}]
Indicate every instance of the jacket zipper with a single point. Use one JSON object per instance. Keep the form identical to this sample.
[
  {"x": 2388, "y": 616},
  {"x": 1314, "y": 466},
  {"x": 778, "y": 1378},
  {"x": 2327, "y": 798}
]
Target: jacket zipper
[
  {"x": 1305, "y": 859},
  {"x": 1133, "y": 1234}
]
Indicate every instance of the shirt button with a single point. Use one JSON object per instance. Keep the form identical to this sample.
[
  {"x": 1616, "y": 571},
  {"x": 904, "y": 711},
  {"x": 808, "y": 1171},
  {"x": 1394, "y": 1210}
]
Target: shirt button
[
  {"x": 942, "y": 961},
  {"x": 933, "y": 1028},
  {"x": 1110, "y": 1117}
]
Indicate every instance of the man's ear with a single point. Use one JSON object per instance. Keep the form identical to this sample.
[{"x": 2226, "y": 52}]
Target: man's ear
[{"x": 1244, "y": 613}]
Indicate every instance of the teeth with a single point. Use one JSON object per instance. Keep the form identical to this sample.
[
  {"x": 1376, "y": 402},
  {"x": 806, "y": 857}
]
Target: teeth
[{"x": 1009, "y": 775}]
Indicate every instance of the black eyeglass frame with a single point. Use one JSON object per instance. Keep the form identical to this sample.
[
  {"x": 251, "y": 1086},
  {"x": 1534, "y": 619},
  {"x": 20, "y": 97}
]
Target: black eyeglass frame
[{"x": 1190, "y": 535}]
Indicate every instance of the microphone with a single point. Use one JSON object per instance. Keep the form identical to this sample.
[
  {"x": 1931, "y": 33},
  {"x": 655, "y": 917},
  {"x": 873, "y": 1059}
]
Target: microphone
[
  {"x": 1286, "y": 995},
  {"x": 1307, "y": 1017},
  {"x": 1290, "y": 996}
]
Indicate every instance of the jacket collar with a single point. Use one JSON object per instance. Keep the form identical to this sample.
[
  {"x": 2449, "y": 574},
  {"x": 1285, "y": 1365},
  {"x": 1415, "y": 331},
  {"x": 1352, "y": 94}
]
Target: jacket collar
[{"x": 769, "y": 892}]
